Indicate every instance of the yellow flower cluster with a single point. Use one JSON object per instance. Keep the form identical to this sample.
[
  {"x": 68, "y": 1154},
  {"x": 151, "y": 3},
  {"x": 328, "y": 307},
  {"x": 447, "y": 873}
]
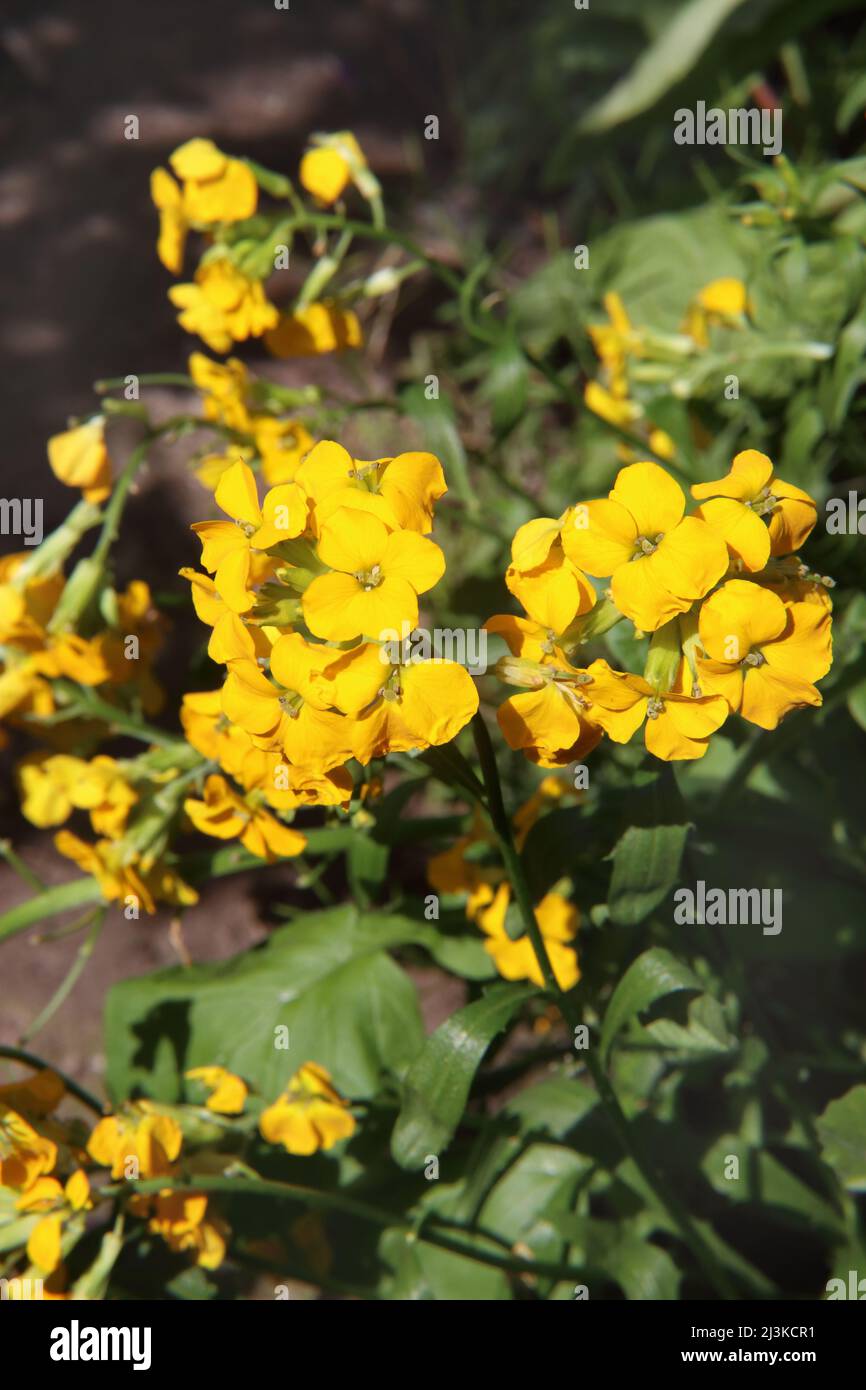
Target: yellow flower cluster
[
  {"x": 308, "y": 588},
  {"x": 211, "y": 193},
  {"x": 738, "y": 623},
  {"x": 231, "y": 401},
  {"x": 623, "y": 349},
  {"x": 45, "y": 1190}
]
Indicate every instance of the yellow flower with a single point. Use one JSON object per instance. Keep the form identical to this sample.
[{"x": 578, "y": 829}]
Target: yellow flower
[
  {"x": 722, "y": 301},
  {"x": 678, "y": 725},
  {"x": 282, "y": 446},
  {"x": 516, "y": 960},
  {"x": 614, "y": 343},
  {"x": 616, "y": 410},
  {"x": 660, "y": 560},
  {"x": 401, "y": 491},
  {"x": 51, "y": 785},
  {"x": 376, "y": 577},
  {"x": 167, "y": 198},
  {"x": 227, "y": 545},
  {"x": 228, "y": 816},
  {"x": 762, "y": 655},
  {"x": 561, "y": 716},
  {"x": 44, "y": 1244},
  {"x": 293, "y": 714},
  {"x": 225, "y": 388},
  {"x": 309, "y": 1115},
  {"x": 119, "y": 881},
  {"x": 25, "y": 1155},
  {"x": 216, "y": 188},
  {"x": 37, "y": 1095},
  {"x": 393, "y": 708},
  {"x": 223, "y": 306},
  {"x": 314, "y": 330},
  {"x": 180, "y": 1218},
  {"x": 756, "y": 513},
  {"x": 79, "y": 458},
  {"x": 137, "y": 1142},
  {"x": 228, "y": 1092},
  {"x": 333, "y": 162}
]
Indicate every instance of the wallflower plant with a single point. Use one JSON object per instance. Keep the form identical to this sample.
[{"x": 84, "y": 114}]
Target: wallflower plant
[{"x": 662, "y": 620}]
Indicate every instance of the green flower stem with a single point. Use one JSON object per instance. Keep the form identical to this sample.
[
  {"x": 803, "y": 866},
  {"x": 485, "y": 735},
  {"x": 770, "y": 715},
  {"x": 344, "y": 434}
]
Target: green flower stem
[
  {"x": 96, "y": 920},
  {"x": 436, "y": 1231},
  {"x": 30, "y": 1059},
  {"x": 14, "y": 860},
  {"x": 147, "y": 379},
  {"x": 625, "y": 1132}
]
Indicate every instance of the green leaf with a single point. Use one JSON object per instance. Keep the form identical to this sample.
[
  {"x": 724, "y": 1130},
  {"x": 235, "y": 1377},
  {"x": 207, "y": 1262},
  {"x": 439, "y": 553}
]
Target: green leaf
[
  {"x": 653, "y": 975},
  {"x": 642, "y": 1270},
  {"x": 438, "y": 1082},
  {"x": 842, "y": 1131},
  {"x": 441, "y": 436},
  {"x": 541, "y": 1181},
  {"x": 646, "y": 862},
  {"x": 424, "y": 1272},
  {"x": 665, "y": 62},
  {"x": 77, "y": 893},
  {"x": 327, "y": 978},
  {"x": 506, "y": 385}
]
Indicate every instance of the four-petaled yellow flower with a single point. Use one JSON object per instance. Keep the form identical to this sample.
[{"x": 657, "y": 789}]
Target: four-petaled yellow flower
[
  {"x": 755, "y": 513},
  {"x": 659, "y": 560},
  {"x": 309, "y": 1115}
]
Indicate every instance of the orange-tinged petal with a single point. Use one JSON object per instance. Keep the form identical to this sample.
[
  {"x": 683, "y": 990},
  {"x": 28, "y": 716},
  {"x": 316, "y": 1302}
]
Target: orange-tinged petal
[
  {"x": 664, "y": 740},
  {"x": 792, "y": 520},
  {"x": 697, "y": 718},
  {"x": 542, "y": 718},
  {"x": 805, "y": 647},
  {"x": 770, "y": 694}
]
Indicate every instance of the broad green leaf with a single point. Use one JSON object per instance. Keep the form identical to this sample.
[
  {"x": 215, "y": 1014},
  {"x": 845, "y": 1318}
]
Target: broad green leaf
[
  {"x": 426, "y": 1272},
  {"x": 842, "y": 1131},
  {"x": 642, "y": 1270},
  {"x": 665, "y": 62},
  {"x": 764, "y": 1179},
  {"x": 438, "y": 1082},
  {"x": 327, "y": 979},
  {"x": 653, "y": 975},
  {"x": 542, "y": 1181},
  {"x": 646, "y": 862}
]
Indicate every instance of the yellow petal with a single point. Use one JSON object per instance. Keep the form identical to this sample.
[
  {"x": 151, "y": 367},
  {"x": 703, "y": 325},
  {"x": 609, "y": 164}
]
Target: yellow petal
[
  {"x": 236, "y": 494},
  {"x": 742, "y": 530},
  {"x": 410, "y": 556},
  {"x": 198, "y": 159},
  {"x": 652, "y": 497},
  {"x": 600, "y": 536}
]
